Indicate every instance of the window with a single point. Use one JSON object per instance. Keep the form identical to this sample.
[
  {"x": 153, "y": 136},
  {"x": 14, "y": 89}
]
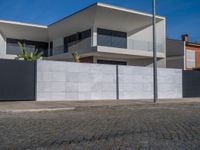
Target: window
[
  {"x": 84, "y": 34},
  {"x": 51, "y": 48},
  {"x": 75, "y": 38},
  {"x": 111, "y": 62},
  {"x": 111, "y": 38},
  {"x": 13, "y": 48},
  {"x": 190, "y": 59}
]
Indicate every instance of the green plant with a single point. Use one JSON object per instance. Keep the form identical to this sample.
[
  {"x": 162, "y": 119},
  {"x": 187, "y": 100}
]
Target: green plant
[
  {"x": 76, "y": 57},
  {"x": 26, "y": 55}
]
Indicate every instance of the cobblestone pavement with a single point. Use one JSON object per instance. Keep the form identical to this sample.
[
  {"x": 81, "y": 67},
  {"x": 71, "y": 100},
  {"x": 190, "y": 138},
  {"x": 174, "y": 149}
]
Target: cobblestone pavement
[{"x": 122, "y": 127}]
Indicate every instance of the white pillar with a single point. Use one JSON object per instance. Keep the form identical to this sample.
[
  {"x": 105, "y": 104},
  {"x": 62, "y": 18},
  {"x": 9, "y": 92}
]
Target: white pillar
[{"x": 94, "y": 36}]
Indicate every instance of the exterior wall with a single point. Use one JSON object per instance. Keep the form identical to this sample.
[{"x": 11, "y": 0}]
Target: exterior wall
[
  {"x": 2, "y": 44},
  {"x": 76, "y": 81},
  {"x": 174, "y": 48},
  {"x": 196, "y": 49},
  {"x": 145, "y": 35},
  {"x": 175, "y": 56},
  {"x": 137, "y": 83},
  {"x": 175, "y": 62}
]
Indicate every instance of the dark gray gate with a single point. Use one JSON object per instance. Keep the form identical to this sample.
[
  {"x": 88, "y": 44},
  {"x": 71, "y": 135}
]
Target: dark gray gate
[
  {"x": 17, "y": 80},
  {"x": 191, "y": 83}
]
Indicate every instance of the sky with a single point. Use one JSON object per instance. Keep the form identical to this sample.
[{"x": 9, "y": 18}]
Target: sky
[{"x": 182, "y": 16}]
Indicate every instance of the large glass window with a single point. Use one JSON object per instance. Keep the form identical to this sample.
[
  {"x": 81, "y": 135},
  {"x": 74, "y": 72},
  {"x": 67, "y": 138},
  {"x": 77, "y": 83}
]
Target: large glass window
[
  {"x": 75, "y": 38},
  {"x": 111, "y": 38},
  {"x": 13, "y": 48}
]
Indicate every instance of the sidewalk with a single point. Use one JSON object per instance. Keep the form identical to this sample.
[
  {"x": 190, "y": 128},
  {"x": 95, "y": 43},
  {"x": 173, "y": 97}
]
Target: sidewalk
[{"x": 34, "y": 106}]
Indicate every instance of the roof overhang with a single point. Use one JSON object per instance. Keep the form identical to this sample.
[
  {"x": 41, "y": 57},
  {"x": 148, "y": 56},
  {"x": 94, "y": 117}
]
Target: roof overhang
[
  {"x": 102, "y": 16},
  {"x": 122, "y": 19},
  {"x": 18, "y": 30}
]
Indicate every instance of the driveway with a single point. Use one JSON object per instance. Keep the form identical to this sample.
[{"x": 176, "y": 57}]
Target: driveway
[{"x": 100, "y": 125}]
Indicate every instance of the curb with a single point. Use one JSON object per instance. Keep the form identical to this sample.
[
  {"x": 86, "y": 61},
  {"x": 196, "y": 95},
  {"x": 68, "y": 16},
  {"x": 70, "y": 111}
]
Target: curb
[{"x": 38, "y": 110}]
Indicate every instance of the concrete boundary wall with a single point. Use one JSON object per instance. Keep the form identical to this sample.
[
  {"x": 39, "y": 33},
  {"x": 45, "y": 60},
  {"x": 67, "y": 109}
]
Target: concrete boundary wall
[
  {"x": 17, "y": 80},
  {"x": 191, "y": 83},
  {"x": 78, "y": 81}
]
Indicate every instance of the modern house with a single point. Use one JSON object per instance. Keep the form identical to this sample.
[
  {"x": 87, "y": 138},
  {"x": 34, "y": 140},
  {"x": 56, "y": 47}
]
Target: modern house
[
  {"x": 100, "y": 33},
  {"x": 182, "y": 54}
]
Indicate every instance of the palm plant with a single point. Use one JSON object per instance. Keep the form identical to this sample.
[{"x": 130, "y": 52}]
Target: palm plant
[
  {"x": 76, "y": 56},
  {"x": 26, "y": 55}
]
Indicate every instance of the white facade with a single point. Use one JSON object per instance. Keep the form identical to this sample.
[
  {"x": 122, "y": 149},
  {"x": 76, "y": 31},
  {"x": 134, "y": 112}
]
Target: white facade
[{"x": 135, "y": 25}]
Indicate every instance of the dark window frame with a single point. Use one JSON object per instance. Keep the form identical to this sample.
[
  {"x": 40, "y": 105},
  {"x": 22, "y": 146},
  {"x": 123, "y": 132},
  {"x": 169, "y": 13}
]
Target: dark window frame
[
  {"x": 111, "y": 38},
  {"x": 75, "y": 38},
  {"x": 40, "y": 46}
]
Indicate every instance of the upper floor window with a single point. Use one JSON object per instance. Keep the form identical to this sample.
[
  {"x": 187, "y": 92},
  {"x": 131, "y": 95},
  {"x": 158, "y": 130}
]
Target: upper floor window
[
  {"x": 111, "y": 38},
  {"x": 13, "y": 47},
  {"x": 190, "y": 59},
  {"x": 75, "y": 38}
]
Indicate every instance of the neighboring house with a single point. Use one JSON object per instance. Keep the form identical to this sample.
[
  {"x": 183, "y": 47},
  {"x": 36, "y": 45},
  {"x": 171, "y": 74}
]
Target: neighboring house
[
  {"x": 100, "y": 33},
  {"x": 182, "y": 54}
]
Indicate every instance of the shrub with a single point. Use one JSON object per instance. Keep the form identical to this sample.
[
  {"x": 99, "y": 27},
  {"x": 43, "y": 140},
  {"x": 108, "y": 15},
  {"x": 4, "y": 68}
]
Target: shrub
[
  {"x": 26, "y": 55},
  {"x": 76, "y": 57}
]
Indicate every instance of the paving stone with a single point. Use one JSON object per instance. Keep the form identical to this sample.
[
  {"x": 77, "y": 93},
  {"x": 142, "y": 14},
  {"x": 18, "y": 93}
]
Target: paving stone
[{"x": 125, "y": 127}]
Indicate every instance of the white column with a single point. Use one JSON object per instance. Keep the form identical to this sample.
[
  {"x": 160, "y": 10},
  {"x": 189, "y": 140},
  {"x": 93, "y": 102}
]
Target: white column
[
  {"x": 94, "y": 36},
  {"x": 2, "y": 44}
]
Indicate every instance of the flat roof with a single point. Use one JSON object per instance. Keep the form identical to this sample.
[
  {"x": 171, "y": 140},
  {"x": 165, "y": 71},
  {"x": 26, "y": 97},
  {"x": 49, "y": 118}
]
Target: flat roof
[
  {"x": 127, "y": 10},
  {"x": 23, "y": 24},
  {"x": 187, "y": 42},
  {"x": 111, "y": 7},
  {"x": 95, "y": 4},
  {"x": 193, "y": 43}
]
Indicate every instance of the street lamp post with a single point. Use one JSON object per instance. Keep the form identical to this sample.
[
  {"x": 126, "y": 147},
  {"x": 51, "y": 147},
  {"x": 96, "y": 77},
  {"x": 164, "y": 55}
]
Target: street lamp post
[{"x": 155, "y": 83}]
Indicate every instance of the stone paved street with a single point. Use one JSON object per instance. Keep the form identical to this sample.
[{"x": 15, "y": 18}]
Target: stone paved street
[{"x": 128, "y": 126}]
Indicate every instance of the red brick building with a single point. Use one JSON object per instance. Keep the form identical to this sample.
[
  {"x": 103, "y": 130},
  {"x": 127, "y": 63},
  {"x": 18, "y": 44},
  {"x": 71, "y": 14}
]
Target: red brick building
[
  {"x": 182, "y": 54},
  {"x": 192, "y": 53}
]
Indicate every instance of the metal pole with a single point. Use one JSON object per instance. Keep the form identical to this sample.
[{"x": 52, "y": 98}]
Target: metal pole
[{"x": 155, "y": 83}]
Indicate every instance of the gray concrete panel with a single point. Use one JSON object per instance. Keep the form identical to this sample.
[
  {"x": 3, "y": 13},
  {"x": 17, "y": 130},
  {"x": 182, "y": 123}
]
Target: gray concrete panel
[{"x": 75, "y": 81}]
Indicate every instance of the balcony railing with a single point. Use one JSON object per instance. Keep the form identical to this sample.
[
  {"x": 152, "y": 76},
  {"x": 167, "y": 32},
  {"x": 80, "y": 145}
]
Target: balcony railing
[
  {"x": 131, "y": 45},
  {"x": 79, "y": 45},
  {"x": 144, "y": 45}
]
